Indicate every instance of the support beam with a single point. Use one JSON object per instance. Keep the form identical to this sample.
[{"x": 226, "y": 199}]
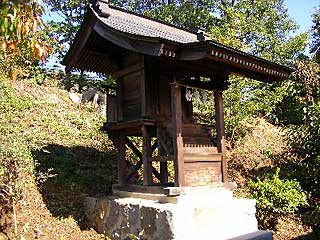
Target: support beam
[
  {"x": 136, "y": 167},
  {"x": 146, "y": 153},
  {"x": 196, "y": 84},
  {"x": 138, "y": 154},
  {"x": 122, "y": 164},
  {"x": 161, "y": 152},
  {"x": 161, "y": 159},
  {"x": 218, "y": 106},
  {"x": 134, "y": 149},
  {"x": 154, "y": 146},
  {"x": 176, "y": 112},
  {"x": 143, "y": 89},
  {"x": 120, "y": 99},
  {"x": 128, "y": 70},
  {"x": 164, "y": 146}
]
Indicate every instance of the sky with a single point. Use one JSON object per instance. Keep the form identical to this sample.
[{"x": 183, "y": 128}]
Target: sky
[{"x": 301, "y": 11}]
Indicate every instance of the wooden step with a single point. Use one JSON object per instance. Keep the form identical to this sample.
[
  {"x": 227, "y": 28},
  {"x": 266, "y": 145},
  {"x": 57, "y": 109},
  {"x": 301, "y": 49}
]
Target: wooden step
[
  {"x": 189, "y": 149},
  {"x": 194, "y": 135},
  {"x": 202, "y": 157}
]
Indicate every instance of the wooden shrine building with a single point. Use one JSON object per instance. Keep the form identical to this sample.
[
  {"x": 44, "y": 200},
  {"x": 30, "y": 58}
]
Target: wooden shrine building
[{"x": 153, "y": 63}]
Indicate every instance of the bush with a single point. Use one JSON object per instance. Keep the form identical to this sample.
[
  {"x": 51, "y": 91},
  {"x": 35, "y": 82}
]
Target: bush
[{"x": 274, "y": 195}]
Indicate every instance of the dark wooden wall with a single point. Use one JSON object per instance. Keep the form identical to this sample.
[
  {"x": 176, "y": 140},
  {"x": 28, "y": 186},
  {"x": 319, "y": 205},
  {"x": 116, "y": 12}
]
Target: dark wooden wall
[
  {"x": 159, "y": 74},
  {"x": 144, "y": 90},
  {"x": 131, "y": 92},
  {"x": 152, "y": 84}
]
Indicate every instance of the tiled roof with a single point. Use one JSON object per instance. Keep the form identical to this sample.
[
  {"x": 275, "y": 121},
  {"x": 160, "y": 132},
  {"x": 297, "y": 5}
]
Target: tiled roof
[
  {"x": 128, "y": 22},
  {"x": 137, "y": 33}
]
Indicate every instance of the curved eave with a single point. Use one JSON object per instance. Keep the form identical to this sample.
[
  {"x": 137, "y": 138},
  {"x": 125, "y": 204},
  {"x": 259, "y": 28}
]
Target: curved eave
[
  {"x": 80, "y": 40},
  {"x": 236, "y": 61},
  {"x": 152, "y": 46}
]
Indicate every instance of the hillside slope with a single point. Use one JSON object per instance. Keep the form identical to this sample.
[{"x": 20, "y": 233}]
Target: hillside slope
[{"x": 52, "y": 155}]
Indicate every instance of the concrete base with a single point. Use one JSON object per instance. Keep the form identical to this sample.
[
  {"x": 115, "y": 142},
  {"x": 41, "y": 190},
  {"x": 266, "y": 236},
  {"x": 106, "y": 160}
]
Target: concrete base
[
  {"x": 196, "y": 214},
  {"x": 258, "y": 235}
]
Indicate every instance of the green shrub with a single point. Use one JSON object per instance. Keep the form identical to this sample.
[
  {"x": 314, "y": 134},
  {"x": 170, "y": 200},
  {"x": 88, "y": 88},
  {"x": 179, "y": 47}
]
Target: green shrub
[{"x": 274, "y": 195}]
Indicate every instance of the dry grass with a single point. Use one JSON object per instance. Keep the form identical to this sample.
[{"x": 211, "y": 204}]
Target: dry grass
[
  {"x": 258, "y": 152},
  {"x": 72, "y": 159}
]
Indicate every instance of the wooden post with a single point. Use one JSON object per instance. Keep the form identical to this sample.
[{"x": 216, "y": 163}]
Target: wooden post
[
  {"x": 122, "y": 164},
  {"x": 143, "y": 91},
  {"x": 163, "y": 165},
  {"x": 146, "y": 153},
  {"x": 107, "y": 105},
  {"x": 176, "y": 112},
  {"x": 119, "y": 99},
  {"x": 218, "y": 106}
]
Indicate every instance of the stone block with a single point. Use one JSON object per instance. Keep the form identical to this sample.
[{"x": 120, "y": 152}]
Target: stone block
[{"x": 196, "y": 214}]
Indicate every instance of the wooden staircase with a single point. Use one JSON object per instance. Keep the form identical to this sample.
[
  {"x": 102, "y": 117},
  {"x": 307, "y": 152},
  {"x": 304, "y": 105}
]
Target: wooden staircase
[
  {"x": 202, "y": 161},
  {"x": 194, "y": 135}
]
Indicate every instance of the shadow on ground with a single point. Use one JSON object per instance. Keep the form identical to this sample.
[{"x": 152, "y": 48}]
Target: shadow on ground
[{"x": 75, "y": 172}]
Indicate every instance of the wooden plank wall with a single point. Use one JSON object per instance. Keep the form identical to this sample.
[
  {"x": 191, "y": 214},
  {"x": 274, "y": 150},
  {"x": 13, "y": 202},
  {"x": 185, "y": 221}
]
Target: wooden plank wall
[
  {"x": 152, "y": 86},
  {"x": 131, "y": 88},
  {"x": 158, "y": 78},
  {"x": 112, "y": 113}
]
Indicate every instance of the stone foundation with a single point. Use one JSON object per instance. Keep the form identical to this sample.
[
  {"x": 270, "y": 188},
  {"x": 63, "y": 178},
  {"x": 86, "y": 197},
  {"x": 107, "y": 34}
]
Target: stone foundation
[{"x": 195, "y": 214}]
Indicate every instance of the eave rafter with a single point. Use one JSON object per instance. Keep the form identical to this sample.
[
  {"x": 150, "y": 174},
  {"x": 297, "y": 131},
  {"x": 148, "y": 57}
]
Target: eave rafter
[{"x": 251, "y": 64}]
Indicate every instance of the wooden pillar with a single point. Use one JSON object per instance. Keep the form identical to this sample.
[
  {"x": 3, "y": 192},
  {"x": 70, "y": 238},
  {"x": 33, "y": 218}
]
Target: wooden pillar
[
  {"x": 107, "y": 106},
  {"x": 176, "y": 112},
  {"x": 218, "y": 106},
  {"x": 146, "y": 154},
  {"x": 163, "y": 165},
  {"x": 143, "y": 91},
  {"x": 119, "y": 99},
  {"x": 122, "y": 164}
]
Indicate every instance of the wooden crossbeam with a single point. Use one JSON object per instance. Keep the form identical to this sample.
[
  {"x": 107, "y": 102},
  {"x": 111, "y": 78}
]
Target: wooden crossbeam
[
  {"x": 136, "y": 167},
  {"x": 154, "y": 146},
  {"x": 134, "y": 170},
  {"x": 127, "y": 70},
  {"x": 161, "y": 159},
  {"x": 121, "y": 160},
  {"x": 164, "y": 146},
  {"x": 134, "y": 149},
  {"x": 162, "y": 151},
  {"x": 196, "y": 84},
  {"x": 156, "y": 173}
]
